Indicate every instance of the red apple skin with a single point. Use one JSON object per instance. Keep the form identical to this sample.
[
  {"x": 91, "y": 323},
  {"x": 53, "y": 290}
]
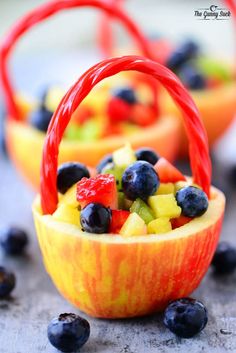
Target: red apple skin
[{"x": 108, "y": 276}]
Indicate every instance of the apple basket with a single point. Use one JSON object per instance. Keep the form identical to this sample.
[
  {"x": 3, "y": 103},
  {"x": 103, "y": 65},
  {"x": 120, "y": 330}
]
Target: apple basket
[
  {"x": 22, "y": 139},
  {"x": 109, "y": 276}
]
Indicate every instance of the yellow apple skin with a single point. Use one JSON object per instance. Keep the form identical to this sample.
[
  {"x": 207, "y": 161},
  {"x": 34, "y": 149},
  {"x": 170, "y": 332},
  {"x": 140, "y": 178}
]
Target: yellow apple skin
[
  {"x": 25, "y": 146},
  {"x": 108, "y": 276}
]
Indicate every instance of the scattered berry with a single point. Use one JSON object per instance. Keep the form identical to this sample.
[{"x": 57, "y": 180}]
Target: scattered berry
[
  {"x": 193, "y": 201},
  {"x": 70, "y": 173},
  {"x": 147, "y": 154},
  {"x": 140, "y": 180},
  {"x": 41, "y": 118},
  {"x": 126, "y": 94},
  {"x": 106, "y": 160},
  {"x": 192, "y": 78},
  {"x": 181, "y": 55},
  {"x": 224, "y": 260},
  {"x": 13, "y": 240},
  {"x": 95, "y": 218},
  {"x": 7, "y": 282},
  {"x": 185, "y": 317},
  {"x": 68, "y": 332}
]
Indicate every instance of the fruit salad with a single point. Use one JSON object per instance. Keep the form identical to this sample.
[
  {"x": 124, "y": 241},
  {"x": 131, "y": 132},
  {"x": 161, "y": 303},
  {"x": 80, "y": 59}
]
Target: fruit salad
[
  {"x": 131, "y": 193},
  {"x": 121, "y": 108}
]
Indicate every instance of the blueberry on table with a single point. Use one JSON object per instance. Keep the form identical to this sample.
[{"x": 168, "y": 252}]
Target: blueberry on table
[
  {"x": 104, "y": 161},
  {"x": 140, "y": 181},
  {"x": 192, "y": 78},
  {"x": 41, "y": 118},
  {"x": 68, "y": 332},
  {"x": 95, "y": 218},
  {"x": 185, "y": 317},
  {"x": 7, "y": 282},
  {"x": 193, "y": 201},
  {"x": 127, "y": 94},
  {"x": 224, "y": 260},
  {"x": 70, "y": 173},
  {"x": 13, "y": 240},
  {"x": 147, "y": 154}
]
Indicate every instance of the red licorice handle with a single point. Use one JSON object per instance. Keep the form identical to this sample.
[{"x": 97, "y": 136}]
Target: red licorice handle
[
  {"x": 232, "y": 7},
  {"x": 43, "y": 12},
  {"x": 198, "y": 145}
]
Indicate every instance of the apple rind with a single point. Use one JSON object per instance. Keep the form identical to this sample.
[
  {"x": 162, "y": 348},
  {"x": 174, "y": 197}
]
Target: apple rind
[{"x": 108, "y": 276}]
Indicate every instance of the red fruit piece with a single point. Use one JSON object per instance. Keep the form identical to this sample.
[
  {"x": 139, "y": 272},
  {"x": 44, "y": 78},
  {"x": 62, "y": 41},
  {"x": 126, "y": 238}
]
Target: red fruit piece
[
  {"x": 167, "y": 172},
  {"x": 143, "y": 115},
  {"x": 180, "y": 221},
  {"x": 81, "y": 115},
  {"x": 118, "y": 110},
  {"x": 117, "y": 220},
  {"x": 100, "y": 189}
]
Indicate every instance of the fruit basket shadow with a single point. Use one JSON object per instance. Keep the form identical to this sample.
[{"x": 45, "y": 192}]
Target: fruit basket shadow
[
  {"x": 108, "y": 275},
  {"x": 22, "y": 138}
]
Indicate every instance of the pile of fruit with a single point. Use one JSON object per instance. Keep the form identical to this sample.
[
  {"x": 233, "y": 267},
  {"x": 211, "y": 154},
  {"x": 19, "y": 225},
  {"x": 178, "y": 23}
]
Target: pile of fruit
[
  {"x": 107, "y": 111},
  {"x": 132, "y": 194},
  {"x": 196, "y": 70}
]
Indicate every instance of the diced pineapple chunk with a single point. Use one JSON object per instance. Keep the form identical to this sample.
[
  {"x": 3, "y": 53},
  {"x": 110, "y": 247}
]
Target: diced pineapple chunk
[
  {"x": 124, "y": 156},
  {"x": 69, "y": 198},
  {"x": 159, "y": 226},
  {"x": 68, "y": 214},
  {"x": 164, "y": 206},
  {"x": 166, "y": 188},
  {"x": 134, "y": 225}
]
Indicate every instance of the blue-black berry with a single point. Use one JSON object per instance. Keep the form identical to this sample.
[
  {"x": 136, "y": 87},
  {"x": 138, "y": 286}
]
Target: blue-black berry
[
  {"x": 127, "y": 94},
  {"x": 193, "y": 201},
  {"x": 224, "y": 260},
  {"x": 41, "y": 118},
  {"x": 185, "y": 317},
  {"x": 105, "y": 160},
  {"x": 95, "y": 218},
  {"x": 68, "y": 332},
  {"x": 70, "y": 173},
  {"x": 7, "y": 282},
  {"x": 147, "y": 154},
  {"x": 13, "y": 240},
  {"x": 192, "y": 78}
]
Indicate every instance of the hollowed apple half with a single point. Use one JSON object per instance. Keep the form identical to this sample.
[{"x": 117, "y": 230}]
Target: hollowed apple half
[
  {"x": 108, "y": 276},
  {"x": 217, "y": 107},
  {"x": 25, "y": 145}
]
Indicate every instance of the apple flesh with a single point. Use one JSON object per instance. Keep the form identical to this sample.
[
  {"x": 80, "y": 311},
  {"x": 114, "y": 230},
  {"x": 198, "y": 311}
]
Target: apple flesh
[{"x": 108, "y": 276}]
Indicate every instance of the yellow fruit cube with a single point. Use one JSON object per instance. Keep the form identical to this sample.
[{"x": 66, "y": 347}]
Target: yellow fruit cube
[
  {"x": 69, "y": 198},
  {"x": 53, "y": 98},
  {"x": 166, "y": 188},
  {"x": 164, "y": 206},
  {"x": 124, "y": 156},
  {"x": 134, "y": 225},
  {"x": 68, "y": 214},
  {"x": 159, "y": 226}
]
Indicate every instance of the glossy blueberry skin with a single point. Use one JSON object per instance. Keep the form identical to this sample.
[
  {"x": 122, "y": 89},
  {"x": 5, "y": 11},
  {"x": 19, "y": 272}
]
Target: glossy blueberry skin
[
  {"x": 68, "y": 332},
  {"x": 7, "y": 282},
  {"x": 224, "y": 260},
  {"x": 140, "y": 180},
  {"x": 182, "y": 54},
  {"x": 70, "y": 173},
  {"x": 95, "y": 218},
  {"x": 13, "y": 240},
  {"x": 126, "y": 94},
  {"x": 193, "y": 201},
  {"x": 147, "y": 154},
  {"x": 185, "y": 317},
  {"x": 107, "y": 159},
  {"x": 192, "y": 78},
  {"x": 41, "y": 118}
]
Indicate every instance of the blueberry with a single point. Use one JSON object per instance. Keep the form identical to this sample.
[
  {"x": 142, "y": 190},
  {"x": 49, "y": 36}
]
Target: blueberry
[
  {"x": 70, "y": 173},
  {"x": 7, "y": 282},
  {"x": 192, "y": 78},
  {"x": 127, "y": 94},
  {"x": 182, "y": 54},
  {"x": 185, "y": 317},
  {"x": 95, "y": 218},
  {"x": 41, "y": 118},
  {"x": 147, "y": 154},
  {"x": 224, "y": 260},
  {"x": 68, "y": 332},
  {"x": 107, "y": 159},
  {"x": 193, "y": 201},
  {"x": 140, "y": 181},
  {"x": 13, "y": 240}
]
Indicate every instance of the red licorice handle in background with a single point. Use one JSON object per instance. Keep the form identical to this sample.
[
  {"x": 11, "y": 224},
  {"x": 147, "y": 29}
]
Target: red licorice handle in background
[
  {"x": 232, "y": 7},
  {"x": 198, "y": 144},
  {"x": 43, "y": 12}
]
